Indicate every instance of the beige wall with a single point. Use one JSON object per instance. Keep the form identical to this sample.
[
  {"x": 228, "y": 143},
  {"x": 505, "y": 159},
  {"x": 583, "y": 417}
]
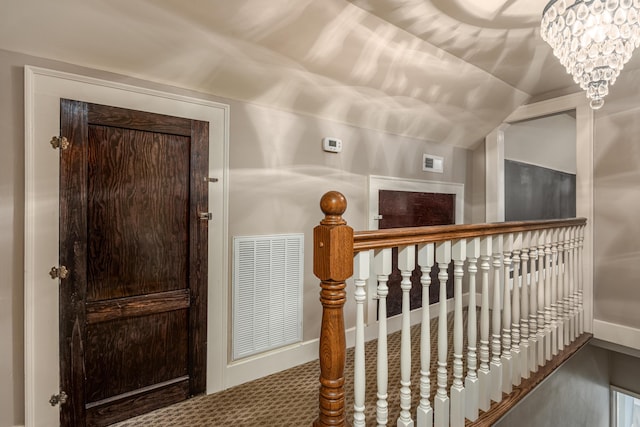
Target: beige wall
[
  {"x": 625, "y": 371},
  {"x": 277, "y": 174},
  {"x": 617, "y": 203},
  {"x": 477, "y": 193},
  {"x": 576, "y": 394},
  {"x": 547, "y": 141}
]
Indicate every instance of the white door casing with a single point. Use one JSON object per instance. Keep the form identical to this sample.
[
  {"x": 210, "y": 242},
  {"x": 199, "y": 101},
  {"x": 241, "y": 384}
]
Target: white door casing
[
  {"x": 377, "y": 183},
  {"x": 43, "y": 90},
  {"x": 494, "y": 150}
]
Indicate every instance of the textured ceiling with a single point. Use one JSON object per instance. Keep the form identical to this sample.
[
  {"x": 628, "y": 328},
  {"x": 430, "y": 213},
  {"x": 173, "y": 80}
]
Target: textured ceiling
[{"x": 443, "y": 70}]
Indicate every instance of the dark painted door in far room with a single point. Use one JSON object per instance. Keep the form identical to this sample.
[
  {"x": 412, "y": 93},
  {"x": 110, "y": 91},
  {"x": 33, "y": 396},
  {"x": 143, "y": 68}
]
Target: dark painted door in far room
[
  {"x": 414, "y": 209},
  {"x": 133, "y": 307}
]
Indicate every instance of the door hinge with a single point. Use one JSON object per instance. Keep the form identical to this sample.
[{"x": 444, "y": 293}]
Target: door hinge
[
  {"x": 208, "y": 179},
  {"x": 58, "y": 399},
  {"x": 59, "y": 142},
  {"x": 377, "y": 217},
  {"x": 59, "y": 273}
]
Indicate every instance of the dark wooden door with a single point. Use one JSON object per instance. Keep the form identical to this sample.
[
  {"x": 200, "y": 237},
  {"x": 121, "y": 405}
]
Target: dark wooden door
[
  {"x": 133, "y": 309},
  {"x": 414, "y": 209}
]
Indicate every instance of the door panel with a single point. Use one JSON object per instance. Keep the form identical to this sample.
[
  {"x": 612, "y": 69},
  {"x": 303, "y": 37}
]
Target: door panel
[
  {"x": 133, "y": 311},
  {"x": 154, "y": 345},
  {"x": 414, "y": 209},
  {"x": 150, "y": 399},
  {"x": 142, "y": 170}
]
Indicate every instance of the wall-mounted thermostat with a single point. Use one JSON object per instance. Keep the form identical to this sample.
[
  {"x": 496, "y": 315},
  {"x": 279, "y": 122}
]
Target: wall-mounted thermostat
[
  {"x": 431, "y": 163},
  {"x": 332, "y": 145}
]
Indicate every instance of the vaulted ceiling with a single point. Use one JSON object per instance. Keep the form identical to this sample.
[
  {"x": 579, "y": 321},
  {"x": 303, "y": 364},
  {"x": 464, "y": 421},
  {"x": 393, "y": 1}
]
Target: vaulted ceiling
[{"x": 443, "y": 70}]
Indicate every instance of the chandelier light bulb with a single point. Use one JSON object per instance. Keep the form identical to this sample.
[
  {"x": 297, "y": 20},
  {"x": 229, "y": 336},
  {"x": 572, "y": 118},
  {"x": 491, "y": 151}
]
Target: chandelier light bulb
[{"x": 593, "y": 40}]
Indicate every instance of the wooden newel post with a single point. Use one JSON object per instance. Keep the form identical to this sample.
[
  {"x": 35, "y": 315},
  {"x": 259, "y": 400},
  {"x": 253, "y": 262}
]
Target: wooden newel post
[{"x": 332, "y": 264}]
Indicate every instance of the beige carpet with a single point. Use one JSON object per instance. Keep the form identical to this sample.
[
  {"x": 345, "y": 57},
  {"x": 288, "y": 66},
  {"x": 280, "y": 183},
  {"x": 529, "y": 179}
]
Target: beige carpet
[{"x": 290, "y": 398}]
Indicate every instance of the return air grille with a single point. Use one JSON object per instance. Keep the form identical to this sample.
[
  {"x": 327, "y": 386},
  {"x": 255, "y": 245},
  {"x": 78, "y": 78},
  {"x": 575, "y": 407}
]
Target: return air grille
[{"x": 267, "y": 292}]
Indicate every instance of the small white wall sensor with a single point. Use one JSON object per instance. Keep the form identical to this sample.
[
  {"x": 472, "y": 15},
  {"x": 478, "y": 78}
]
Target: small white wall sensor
[
  {"x": 332, "y": 145},
  {"x": 431, "y": 163}
]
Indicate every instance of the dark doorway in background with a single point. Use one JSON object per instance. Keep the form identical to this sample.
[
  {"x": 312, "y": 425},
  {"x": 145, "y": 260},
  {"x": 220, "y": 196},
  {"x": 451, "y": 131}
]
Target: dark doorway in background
[
  {"x": 414, "y": 209},
  {"x": 535, "y": 192}
]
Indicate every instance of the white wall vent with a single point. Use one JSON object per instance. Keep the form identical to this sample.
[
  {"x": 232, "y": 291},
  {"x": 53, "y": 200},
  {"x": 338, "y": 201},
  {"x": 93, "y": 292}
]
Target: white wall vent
[
  {"x": 267, "y": 292},
  {"x": 431, "y": 163}
]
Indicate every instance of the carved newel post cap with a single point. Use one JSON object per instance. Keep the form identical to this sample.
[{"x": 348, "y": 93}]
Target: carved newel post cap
[{"x": 333, "y": 205}]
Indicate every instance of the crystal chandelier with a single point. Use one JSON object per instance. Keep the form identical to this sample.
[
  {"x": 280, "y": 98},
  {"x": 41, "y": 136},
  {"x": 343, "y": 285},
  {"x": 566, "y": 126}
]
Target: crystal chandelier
[{"x": 593, "y": 40}]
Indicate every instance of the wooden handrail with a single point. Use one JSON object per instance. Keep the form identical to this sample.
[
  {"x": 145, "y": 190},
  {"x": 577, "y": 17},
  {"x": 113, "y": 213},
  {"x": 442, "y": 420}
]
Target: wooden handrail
[
  {"x": 335, "y": 244},
  {"x": 376, "y": 239}
]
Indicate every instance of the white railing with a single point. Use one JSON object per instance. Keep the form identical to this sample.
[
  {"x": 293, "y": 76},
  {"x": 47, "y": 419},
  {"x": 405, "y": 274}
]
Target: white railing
[{"x": 531, "y": 271}]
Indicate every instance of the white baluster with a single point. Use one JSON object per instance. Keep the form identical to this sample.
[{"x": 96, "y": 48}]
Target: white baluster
[
  {"x": 541, "y": 296},
  {"x": 580, "y": 286},
  {"x": 496, "y": 363},
  {"x": 441, "y": 400},
  {"x": 567, "y": 278},
  {"x": 382, "y": 265},
  {"x": 360, "y": 275},
  {"x": 548, "y": 272},
  {"x": 554, "y": 291},
  {"x": 524, "y": 305},
  {"x": 484, "y": 374},
  {"x": 516, "y": 368},
  {"x": 471, "y": 382},
  {"x": 406, "y": 264},
  {"x": 572, "y": 286},
  {"x": 575, "y": 283},
  {"x": 506, "y": 357},
  {"x": 533, "y": 301},
  {"x": 424, "y": 416},
  {"x": 560, "y": 300},
  {"x": 458, "y": 406}
]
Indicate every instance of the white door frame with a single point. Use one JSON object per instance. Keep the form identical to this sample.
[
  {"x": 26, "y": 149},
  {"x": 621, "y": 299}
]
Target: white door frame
[
  {"x": 377, "y": 183},
  {"x": 43, "y": 90},
  {"x": 494, "y": 151}
]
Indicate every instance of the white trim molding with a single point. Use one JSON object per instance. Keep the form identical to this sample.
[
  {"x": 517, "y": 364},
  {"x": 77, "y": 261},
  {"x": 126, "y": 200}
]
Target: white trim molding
[
  {"x": 494, "y": 175},
  {"x": 584, "y": 173},
  {"x": 616, "y": 333},
  {"x": 377, "y": 183}
]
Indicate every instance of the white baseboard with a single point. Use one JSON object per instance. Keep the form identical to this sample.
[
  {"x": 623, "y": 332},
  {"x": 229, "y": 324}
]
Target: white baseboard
[
  {"x": 617, "y": 334},
  {"x": 274, "y": 361},
  {"x": 268, "y": 363}
]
